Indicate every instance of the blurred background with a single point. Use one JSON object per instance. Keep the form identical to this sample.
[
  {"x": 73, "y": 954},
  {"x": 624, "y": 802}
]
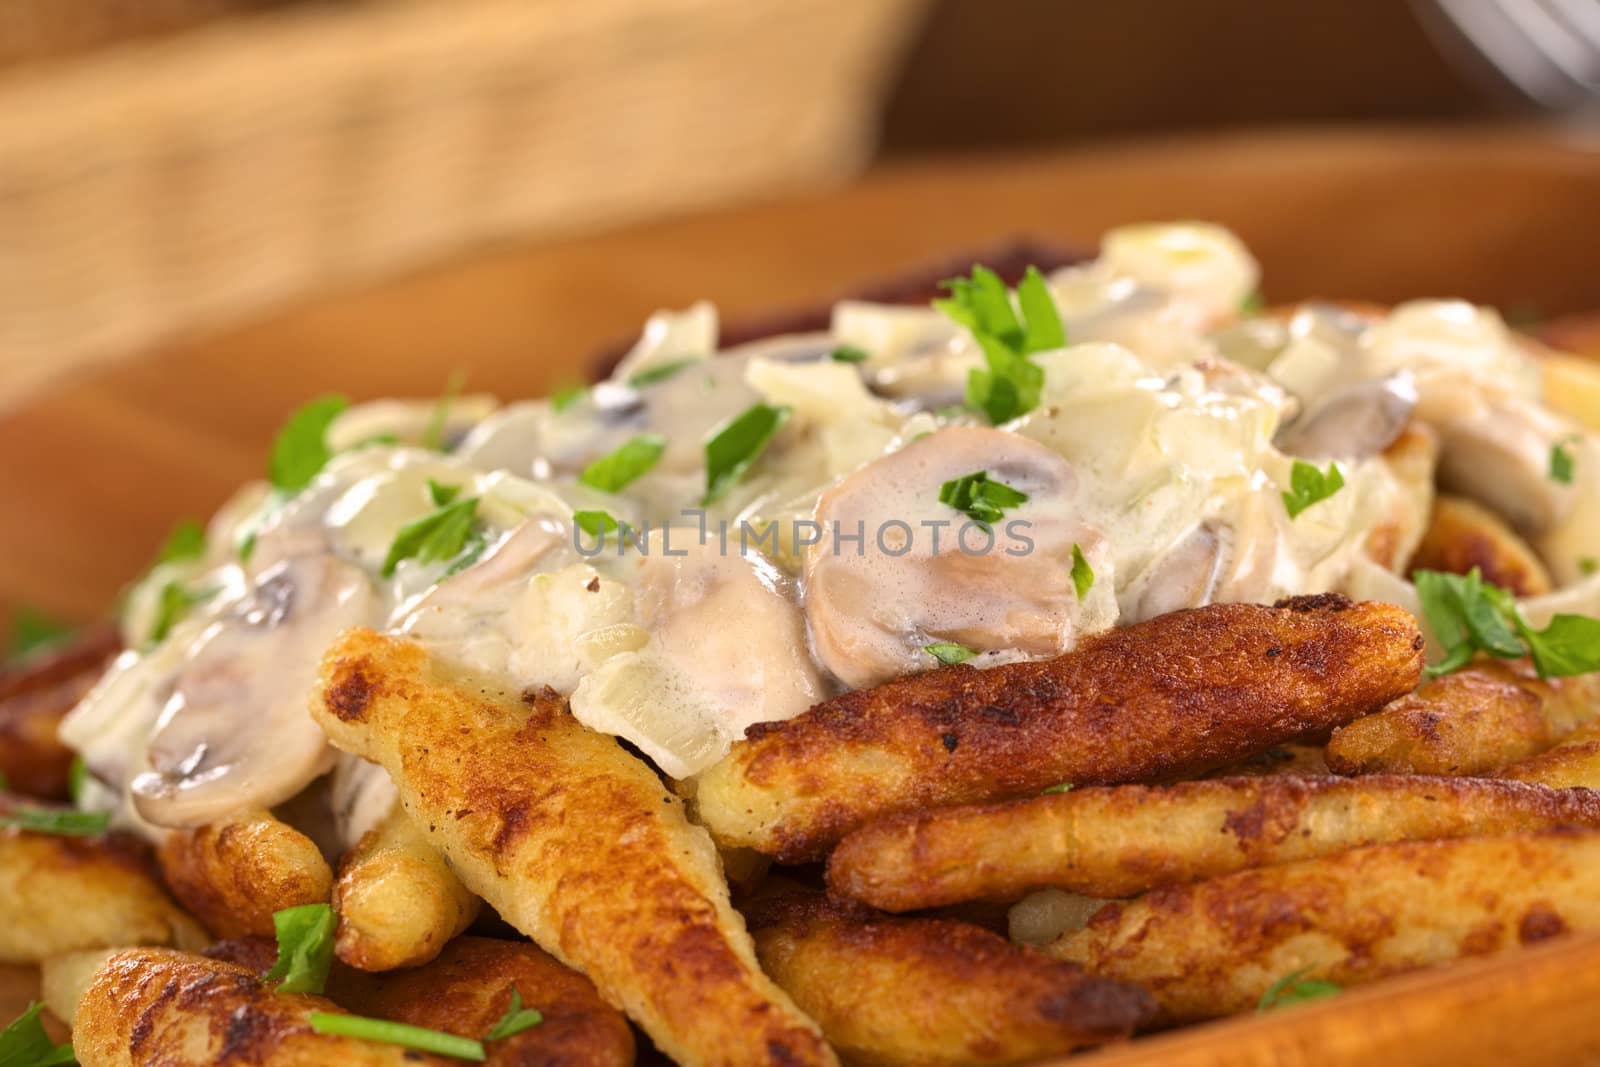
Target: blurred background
[{"x": 210, "y": 209}]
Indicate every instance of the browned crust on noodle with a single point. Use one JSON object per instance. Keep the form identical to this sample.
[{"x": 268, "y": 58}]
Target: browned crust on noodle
[
  {"x": 1574, "y": 763},
  {"x": 1474, "y": 721},
  {"x": 233, "y": 875},
  {"x": 86, "y": 653},
  {"x": 159, "y": 1008},
  {"x": 1214, "y": 947},
  {"x": 574, "y": 841},
  {"x": 933, "y": 991},
  {"x": 1121, "y": 840},
  {"x": 1174, "y": 696},
  {"x": 467, "y": 989},
  {"x": 32, "y": 758},
  {"x": 1463, "y": 535}
]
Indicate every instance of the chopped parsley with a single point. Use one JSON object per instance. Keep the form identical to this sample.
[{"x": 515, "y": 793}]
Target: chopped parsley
[
  {"x": 77, "y": 779},
  {"x": 1308, "y": 486},
  {"x": 442, "y": 494},
  {"x": 405, "y": 1035},
  {"x": 632, "y": 460},
  {"x": 1010, "y": 383},
  {"x": 305, "y": 948},
  {"x": 25, "y": 1044},
  {"x": 981, "y": 499},
  {"x": 948, "y": 653},
  {"x": 1469, "y": 615},
  {"x": 734, "y": 446},
  {"x": 433, "y": 433},
  {"x": 515, "y": 1020},
  {"x": 1561, "y": 460},
  {"x": 1252, "y": 304},
  {"x": 450, "y": 532},
  {"x": 186, "y": 541},
  {"x": 63, "y": 822},
  {"x": 1082, "y": 573},
  {"x": 1059, "y": 787},
  {"x": 1588, "y": 565},
  {"x": 849, "y": 354},
  {"x": 301, "y": 448},
  {"x": 172, "y": 604},
  {"x": 595, "y": 523},
  {"x": 563, "y": 399},
  {"x": 659, "y": 373},
  {"x": 1295, "y": 988},
  {"x": 32, "y": 630}
]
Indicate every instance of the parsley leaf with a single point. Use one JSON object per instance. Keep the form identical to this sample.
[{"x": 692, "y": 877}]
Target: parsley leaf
[
  {"x": 172, "y": 604},
  {"x": 659, "y": 373},
  {"x": 442, "y": 494},
  {"x": 32, "y": 630},
  {"x": 25, "y": 1044},
  {"x": 1295, "y": 987},
  {"x": 1010, "y": 384},
  {"x": 403, "y": 1034},
  {"x": 981, "y": 499},
  {"x": 63, "y": 822},
  {"x": 1059, "y": 787},
  {"x": 563, "y": 399},
  {"x": 433, "y": 433},
  {"x": 1308, "y": 486},
  {"x": 949, "y": 653},
  {"x": 849, "y": 354},
  {"x": 738, "y": 443},
  {"x": 595, "y": 523},
  {"x": 1561, "y": 460},
  {"x": 440, "y": 535},
  {"x": 631, "y": 461},
  {"x": 1252, "y": 304},
  {"x": 305, "y": 948},
  {"x": 516, "y": 1019},
  {"x": 1469, "y": 615},
  {"x": 301, "y": 449},
  {"x": 1588, "y": 565},
  {"x": 77, "y": 778},
  {"x": 186, "y": 541},
  {"x": 1082, "y": 573}
]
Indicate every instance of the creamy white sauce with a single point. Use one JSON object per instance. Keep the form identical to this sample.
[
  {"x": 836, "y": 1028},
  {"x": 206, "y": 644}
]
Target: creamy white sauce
[{"x": 1166, "y": 433}]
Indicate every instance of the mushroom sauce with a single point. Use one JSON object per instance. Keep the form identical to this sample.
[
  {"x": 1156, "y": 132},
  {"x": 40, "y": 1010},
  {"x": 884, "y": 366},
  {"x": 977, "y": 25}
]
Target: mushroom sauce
[{"x": 863, "y": 522}]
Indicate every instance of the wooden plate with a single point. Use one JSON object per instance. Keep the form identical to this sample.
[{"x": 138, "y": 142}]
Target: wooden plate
[{"x": 100, "y": 465}]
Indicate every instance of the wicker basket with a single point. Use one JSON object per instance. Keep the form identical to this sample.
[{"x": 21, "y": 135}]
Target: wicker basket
[{"x": 179, "y": 183}]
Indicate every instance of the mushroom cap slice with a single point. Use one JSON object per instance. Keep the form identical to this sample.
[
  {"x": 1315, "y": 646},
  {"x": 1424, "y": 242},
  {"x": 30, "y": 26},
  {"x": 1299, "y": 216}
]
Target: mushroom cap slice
[
  {"x": 1360, "y": 420},
  {"x": 1499, "y": 455},
  {"x": 236, "y": 733},
  {"x": 897, "y": 569}
]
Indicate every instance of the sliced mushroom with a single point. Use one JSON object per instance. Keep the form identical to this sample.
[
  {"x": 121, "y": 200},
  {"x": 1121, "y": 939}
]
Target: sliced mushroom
[
  {"x": 1499, "y": 455},
  {"x": 896, "y": 569},
  {"x": 1353, "y": 422},
  {"x": 718, "y": 645},
  {"x": 235, "y": 733},
  {"x": 1228, "y": 558}
]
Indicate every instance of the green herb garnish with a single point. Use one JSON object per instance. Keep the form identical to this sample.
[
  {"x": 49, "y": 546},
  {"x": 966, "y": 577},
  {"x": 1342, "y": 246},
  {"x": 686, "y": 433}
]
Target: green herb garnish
[
  {"x": 1059, "y": 787},
  {"x": 441, "y": 494},
  {"x": 659, "y": 373},
  {"x": 1253, "y": 303},
  {"x": 595, "y": 523},
  {"x": 186, "y": 541},
  {"x": 565, "y": 398},
  {"x": 1010, "y": 384},
  {"x": 405, "y": 1035},
  {"x": 632, "y": 460},
  {"x": 25, "y": 1044},
  {"x": 305, "y": 948},
  {"x": 1082, "y": 573},
  {"x": 736, "y": 444},
  {"x": 979, "y": 498},
  {"x": 63, "y": 822},
  {"x": 440, "y": 535},
  {"x": 433, "y": 433},
  {"x": 301, "y": 448},
  {"x": 1561, "y": 460},
  {"x": 949, "y": 653},
  {"x": 1588, "y": 565},
  {"x": 77, "y": 779},
  {"x": 516, "y": 1019},
  {"x": 172, "y": 604},
  {"x": 1469, "y": 615},
  {"x": 32, "y": 630},
  {"x": 849, "y": 354},
  {"x": 1294, "y": 988},
  {"x": 1308, "y": 486}
]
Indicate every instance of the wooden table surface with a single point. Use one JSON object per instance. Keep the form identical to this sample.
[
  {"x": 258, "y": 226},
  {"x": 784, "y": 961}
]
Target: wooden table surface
[{"x": 98, "y": 468}]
